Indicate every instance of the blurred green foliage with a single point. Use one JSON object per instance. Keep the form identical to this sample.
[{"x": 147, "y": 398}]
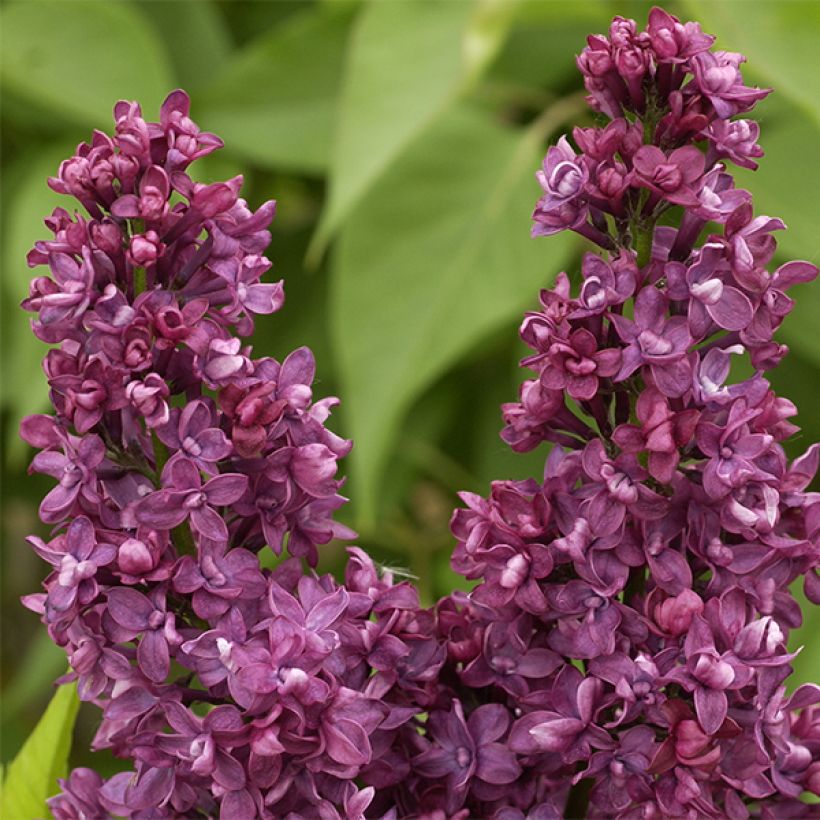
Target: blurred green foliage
[{"x": 400, "y": 139}]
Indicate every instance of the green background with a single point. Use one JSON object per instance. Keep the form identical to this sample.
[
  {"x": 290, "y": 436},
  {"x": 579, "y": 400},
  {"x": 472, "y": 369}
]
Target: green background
[{"x": 400, "y": 139}]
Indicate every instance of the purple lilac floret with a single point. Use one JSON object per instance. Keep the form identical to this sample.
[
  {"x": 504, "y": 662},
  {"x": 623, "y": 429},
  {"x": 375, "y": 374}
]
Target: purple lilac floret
[{"x": 623, "y": 652}]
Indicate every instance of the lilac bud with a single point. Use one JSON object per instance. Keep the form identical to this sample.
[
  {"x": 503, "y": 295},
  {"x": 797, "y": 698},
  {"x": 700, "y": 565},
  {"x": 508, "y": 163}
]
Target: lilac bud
[
  {"x": 675, "y": 614},
  {"x": 134, "y": 557},
  {"x": 145, "y": 248}
]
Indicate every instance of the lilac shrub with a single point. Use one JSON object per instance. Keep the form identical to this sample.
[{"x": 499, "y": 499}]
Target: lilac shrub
[{"x": 623, "y": 652}]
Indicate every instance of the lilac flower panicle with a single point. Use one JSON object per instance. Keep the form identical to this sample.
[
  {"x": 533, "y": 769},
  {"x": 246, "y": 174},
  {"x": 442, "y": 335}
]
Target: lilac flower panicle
[
  {"x": 633, "y": 606},
  {"x": 178, "y": 457},
  {"x": 623, "y": 651}
]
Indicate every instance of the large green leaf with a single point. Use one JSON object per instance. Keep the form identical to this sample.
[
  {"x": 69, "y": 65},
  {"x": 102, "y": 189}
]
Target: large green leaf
[
  {"x": 275, "y": 100},
  {"x": 779, "y": 39},
  {"x": 24, "y": 386},
  {"x": 539, "y": 54},
  {"x": 408, "y": 61},
  {"x": 31, "y": 778},
  {"x": 195, "y": 37},
  {"x": 434, "y": 258},
  {"x": 79, "y": 58}
]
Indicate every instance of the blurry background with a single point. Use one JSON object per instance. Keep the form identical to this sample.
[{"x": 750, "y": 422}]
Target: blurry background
[{"x": 400, "y": 138}]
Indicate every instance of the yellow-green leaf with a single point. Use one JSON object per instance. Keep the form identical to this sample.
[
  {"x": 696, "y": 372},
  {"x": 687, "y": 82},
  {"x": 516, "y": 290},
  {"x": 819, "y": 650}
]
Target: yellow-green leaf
[
  {"x": 31, "y": 778},
  {"x": 434, "y": 258},
  {"x": 79, "y": 58}
]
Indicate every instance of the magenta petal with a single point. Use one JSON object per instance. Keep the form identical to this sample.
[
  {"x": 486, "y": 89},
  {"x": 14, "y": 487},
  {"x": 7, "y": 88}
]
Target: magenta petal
[
  {"x": 647, "y": 158},
  {"x": 327, "y": 610},
  {"x": 81, "y": 538},
  {"x": 556, "y": 733},
  {"x": 207, "y": 522},
  {"x": 129, "y": 608},
  {"x": 213, "y": 199},
  {"x": 674, "y": 379},
  {"x": 806, "y": 695},
  {"x": 733, "y": 311},
  {"x": 496, "y": 764},
  {"x": 223, "y": 719},
  {"x": 298, "y": 368},
  {"x": 130, "y": 704},
  {"x": 62, "y": 598},
  {"x": 162, "y": 509},
  {"x": 228, "y": 772},
  {"x": 39, "y": 430},
  {"x": 153, "y": 788},
  {"x": 662, "y": 466},
  {"x": 58, "y": 502},
  {"x": 194, "y": 419},
  {"x": 793, "y": 273},
  {"x": 538, "y": 663},
  {"x": 180, "y": 473},
  {"x": 629, "y": 438},
  {"x": 650, "y": 303},
  {"x": 259, "y": 677},
  {"x": 50, "y": 463},
  {"x": 238, "y": 805},
  {"x": 347, "y": 743},
  {"x": 267, "y": 298},
  {"x": 609, "y": 361},
  {"x": 181, "y": 719},
  {"x": 225, "y": 489},
  {"x": 488, "y": 722},
  {"x": 126, "y": 206},
  {"x": 582, "y": 388},
  {"x": 605, "y": 514},
  {"x": 711, "y": 706},
  {"x": 530, "y": 597},
  {"x": 213, "y": 444},
  {"x": 176, "y": 101},
  {"x": 188, "y": 578},
  {"x": 153, "y": 656},
  {"x": 434, "y": 762},
  {"x": 589, "y": 689},
  {"x": 630, "y": 362}
]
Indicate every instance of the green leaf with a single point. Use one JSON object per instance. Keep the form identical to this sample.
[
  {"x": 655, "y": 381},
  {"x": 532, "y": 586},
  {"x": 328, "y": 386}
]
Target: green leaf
[
  {"x": 779, "y": 40},
  {"x": 31, "y": 778},
  {"x": 194, "y": 35},
  {"x": 435, "y": 257},
  {"x": 408, "y": 62},
  {"x": 79, "y": 58},
  {"x": 274, "y": 102},
  {"x": 539, "y": 54},
  {"x": 34, "y": 670},
  {"x": 25, "y": 389}
]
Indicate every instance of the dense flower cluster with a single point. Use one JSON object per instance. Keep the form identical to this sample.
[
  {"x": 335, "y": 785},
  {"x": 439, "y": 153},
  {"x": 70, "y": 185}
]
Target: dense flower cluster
[
  {"x": 623, "y": 653},
  {"x": 178, "y": 457},
  {"x": 635, "y": 604}
]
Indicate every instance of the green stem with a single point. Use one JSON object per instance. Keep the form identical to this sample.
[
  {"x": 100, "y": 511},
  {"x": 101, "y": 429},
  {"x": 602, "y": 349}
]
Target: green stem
[
  {"x": 140, "y": 282},
  {"x": 182, "y": 539},
  {"x": 643, "y": 243}
]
